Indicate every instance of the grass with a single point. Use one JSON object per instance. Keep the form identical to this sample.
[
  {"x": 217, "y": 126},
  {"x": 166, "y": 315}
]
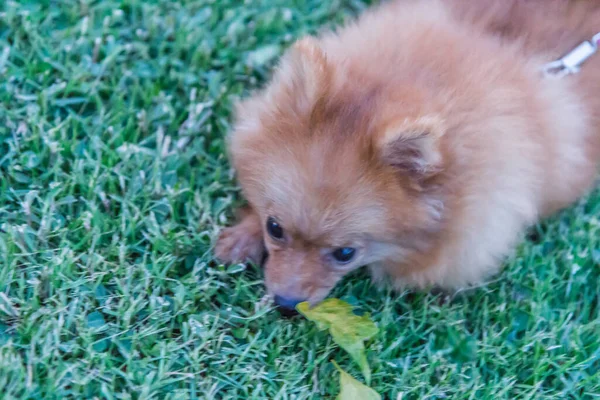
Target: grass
[{"x": 114, "y": 183}]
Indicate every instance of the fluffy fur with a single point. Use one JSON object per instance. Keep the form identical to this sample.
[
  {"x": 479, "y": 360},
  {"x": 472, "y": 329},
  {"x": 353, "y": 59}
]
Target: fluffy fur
[{"x": 424, "y": 135}]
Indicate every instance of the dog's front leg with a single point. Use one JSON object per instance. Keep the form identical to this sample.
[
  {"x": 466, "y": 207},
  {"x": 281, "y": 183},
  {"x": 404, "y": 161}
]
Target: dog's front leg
[{"x": 242, "y": 242}]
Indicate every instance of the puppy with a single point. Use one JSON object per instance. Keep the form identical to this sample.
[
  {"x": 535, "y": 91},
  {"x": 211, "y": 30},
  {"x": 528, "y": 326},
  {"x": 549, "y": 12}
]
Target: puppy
[{"x": 420, "y": 140}]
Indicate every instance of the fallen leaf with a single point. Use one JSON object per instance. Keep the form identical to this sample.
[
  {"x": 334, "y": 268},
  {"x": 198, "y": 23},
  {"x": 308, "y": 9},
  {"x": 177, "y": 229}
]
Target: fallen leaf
[
  {"x": 347, "y": 329},
  {"x": 351, "y": 389}
]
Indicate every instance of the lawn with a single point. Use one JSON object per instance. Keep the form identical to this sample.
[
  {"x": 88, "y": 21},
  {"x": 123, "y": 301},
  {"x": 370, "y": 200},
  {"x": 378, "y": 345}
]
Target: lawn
[{"x": 114, "y": 184}]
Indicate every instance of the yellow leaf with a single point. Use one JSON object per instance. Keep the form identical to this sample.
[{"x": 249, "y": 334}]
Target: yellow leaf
[
  {"x": 351, "y": 389},
  {"x": 347, "y": 329}
]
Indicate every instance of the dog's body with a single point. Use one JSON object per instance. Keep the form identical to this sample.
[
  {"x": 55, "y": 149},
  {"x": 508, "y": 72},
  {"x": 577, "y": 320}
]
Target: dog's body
[{"x": 421, "y": 141}]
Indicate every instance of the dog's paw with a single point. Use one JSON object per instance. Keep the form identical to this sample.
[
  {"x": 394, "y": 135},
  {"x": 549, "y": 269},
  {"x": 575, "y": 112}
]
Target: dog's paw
[{"x": 239, "y": 244}]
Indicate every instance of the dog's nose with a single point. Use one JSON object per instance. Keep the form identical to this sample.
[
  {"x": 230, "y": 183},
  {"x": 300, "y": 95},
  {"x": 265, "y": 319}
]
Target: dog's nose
[{"x": 287, "y": 305}]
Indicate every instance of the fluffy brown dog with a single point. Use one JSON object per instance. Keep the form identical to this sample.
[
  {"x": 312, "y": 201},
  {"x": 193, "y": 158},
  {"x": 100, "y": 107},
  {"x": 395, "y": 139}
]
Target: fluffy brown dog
[{"x": 421, "y": 141}]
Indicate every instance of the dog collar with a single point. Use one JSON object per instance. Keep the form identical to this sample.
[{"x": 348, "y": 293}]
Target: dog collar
[{"x": 572, "y": 61}]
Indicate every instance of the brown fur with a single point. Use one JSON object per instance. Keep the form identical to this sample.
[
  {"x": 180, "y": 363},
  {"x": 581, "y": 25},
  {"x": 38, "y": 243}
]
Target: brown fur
[{"x": 423, "y": 135}]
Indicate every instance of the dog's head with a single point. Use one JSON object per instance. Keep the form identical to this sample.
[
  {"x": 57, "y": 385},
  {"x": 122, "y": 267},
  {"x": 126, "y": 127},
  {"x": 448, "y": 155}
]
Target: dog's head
[{"x": 341, "y": 170}]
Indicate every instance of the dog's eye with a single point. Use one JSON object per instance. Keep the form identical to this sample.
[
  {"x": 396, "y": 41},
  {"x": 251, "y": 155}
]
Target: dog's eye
[
  {"x": 344, "y": 255},
  {"x": 275, "y": 230}
]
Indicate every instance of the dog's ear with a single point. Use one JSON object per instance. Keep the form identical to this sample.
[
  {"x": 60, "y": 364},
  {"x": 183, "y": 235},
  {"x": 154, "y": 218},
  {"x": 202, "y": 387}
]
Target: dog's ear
[
  {"x": 301, "y": 79},
  {"x": 413, "y": 146},
  {"x": 303, "y": 74}
]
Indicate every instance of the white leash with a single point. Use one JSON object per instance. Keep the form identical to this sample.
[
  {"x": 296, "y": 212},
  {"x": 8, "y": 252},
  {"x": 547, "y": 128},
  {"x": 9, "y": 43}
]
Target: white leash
[{"x": 572, "y": 61}]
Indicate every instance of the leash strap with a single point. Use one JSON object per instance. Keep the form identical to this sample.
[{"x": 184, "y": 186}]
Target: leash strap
[{"x": 572, "y": 61}]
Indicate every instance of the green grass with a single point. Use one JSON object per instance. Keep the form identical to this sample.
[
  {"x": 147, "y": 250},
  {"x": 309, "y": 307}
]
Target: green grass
[{"x": 114, "y": 184}]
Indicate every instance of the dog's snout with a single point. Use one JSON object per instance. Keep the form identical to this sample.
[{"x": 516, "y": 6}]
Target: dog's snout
[{"x": 287, "y": 304}]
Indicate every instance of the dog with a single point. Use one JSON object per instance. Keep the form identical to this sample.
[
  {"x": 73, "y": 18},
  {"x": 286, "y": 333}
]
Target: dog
[{"x": 420, "y": 140}]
